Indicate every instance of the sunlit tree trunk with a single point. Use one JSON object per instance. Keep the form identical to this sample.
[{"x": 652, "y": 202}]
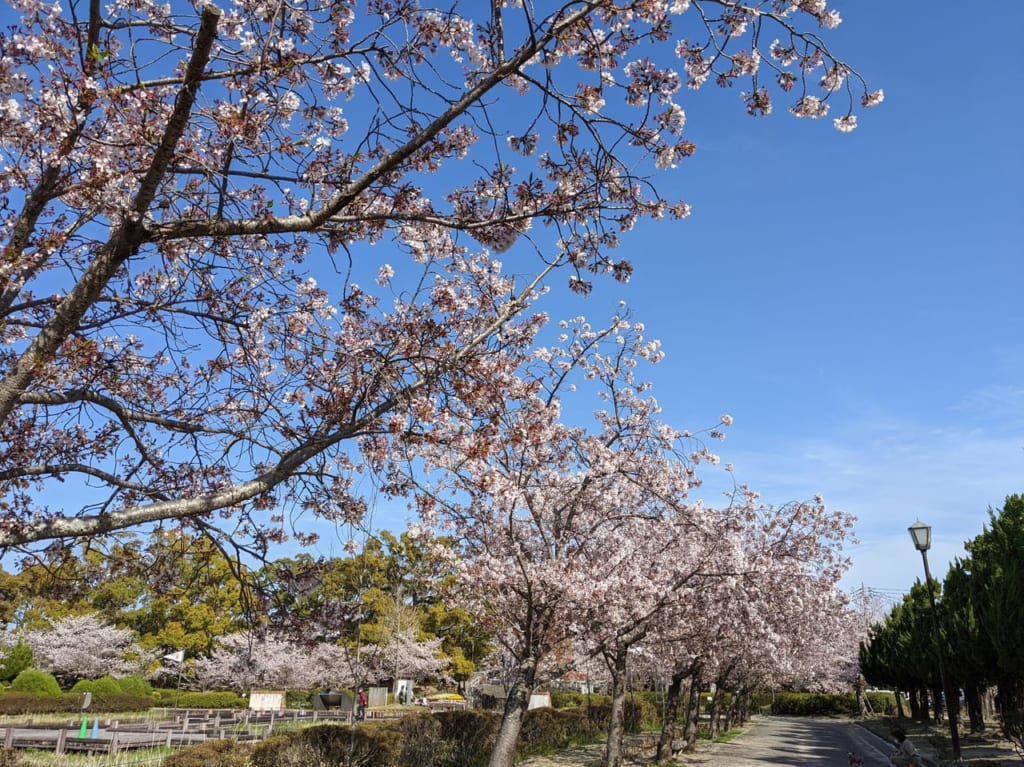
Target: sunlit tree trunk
[
  {"x": 715, "y": 711},
  {"x": 668, "y": 727},
  {"x": 732, "y": 711},
  {"x": 516, "y": 703},
  {"x": 617, "y": 725}
]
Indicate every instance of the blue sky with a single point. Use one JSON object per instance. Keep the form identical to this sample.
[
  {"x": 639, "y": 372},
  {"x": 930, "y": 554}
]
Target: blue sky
[{"x": 854, "y": 300}]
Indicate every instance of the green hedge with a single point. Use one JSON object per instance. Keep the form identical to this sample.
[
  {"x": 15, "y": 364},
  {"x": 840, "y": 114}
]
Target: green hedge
[
  {"x": 21, "y": 703},
  {"x": 561, "y": 699},
  {"x": 813, "y": 704},
  {"x": 468, "y": 736},
  {"x": 443, "y": 739},
  {"x": 882, "y": 702},
  {"x": 546, "y": 730},
  {"x": 105, "y": 684},
  {"x": 643, "y": 709},
  {"x": 371, "y": 744}
]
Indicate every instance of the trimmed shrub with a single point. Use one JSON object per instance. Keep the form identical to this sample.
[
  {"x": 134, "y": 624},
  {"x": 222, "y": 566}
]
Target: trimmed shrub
[
  {"x": 273, "y": 750},
  {"x": 643, "y": 707},
  {"x": 135, "y": 685},
  {"x": 164, "y": 696},
  {"x": 299, "y": 698},
  {"x": 105, "y": 684},
  {"x": 289, "y": 752},
  {"x": 421, "y": 741},
  {"x": 813, "y": 704},
  {"x": 563, "y": 699},
  {"x": 544, "y": 731},
  {"x": 882, "y": 702},
  {"x": 212, "y": 753},
  {"x": 23, "y": 703},
  {"x": 580, "y": 726},
  {"x": 115, "y": 702},
  {"x": 19, "y": 703},
  {"x": 469, "y": 735},
  {"x": 36, "y": 682},
  {"x": 443, "y": 739},
  {"x": 373, "y": 744},
  {"x": 643, "y": 711}
]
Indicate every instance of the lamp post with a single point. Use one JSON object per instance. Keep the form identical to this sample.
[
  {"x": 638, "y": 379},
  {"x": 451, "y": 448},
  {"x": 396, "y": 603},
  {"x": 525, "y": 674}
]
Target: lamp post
[{"x": 922, "y": 537}]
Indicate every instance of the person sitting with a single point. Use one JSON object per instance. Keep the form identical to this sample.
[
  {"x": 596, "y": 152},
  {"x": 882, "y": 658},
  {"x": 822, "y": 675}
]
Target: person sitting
[{"x": 905, "y": 754}]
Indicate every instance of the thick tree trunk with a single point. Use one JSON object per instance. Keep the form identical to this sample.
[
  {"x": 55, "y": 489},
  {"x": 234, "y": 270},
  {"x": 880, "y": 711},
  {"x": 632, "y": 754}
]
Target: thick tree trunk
[
  {"x": 668, "y": 726},
  {"x": 617, "y": 725},
  {"x": 975, "y": 715},
  {"x": 937, "y": 705},
  {"x": 693, "y": 711},
  {"x": 516, "y": 703},
  {"x": 715, "y": 712},
  {"x": 732, "y": 712},
  {"x": 1010, "y": 694},
  {"x": 899, "y": 702},
  {"x": 923, "y": 705},
  {"x": 744, "y": 706}
]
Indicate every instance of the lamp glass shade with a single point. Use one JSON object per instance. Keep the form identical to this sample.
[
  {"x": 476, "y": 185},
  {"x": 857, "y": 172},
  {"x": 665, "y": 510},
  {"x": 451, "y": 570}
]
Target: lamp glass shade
[{"x": 922, "y": 536}]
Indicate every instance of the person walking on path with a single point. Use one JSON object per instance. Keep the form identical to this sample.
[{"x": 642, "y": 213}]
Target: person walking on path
[{"x": 361, "y": 702}]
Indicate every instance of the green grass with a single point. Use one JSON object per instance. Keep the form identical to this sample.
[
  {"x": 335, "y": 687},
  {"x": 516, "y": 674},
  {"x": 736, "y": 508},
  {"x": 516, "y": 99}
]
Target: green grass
[{"x": 144, "y": 757}]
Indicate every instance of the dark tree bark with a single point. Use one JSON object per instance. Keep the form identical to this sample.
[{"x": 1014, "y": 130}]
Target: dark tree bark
[
  {"x": 693, "y": 711},
  {"x": 668, "y": 726}
]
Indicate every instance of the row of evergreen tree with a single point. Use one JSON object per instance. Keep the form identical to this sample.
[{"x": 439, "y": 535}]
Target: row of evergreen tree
[{"x": 980, "y": 610}]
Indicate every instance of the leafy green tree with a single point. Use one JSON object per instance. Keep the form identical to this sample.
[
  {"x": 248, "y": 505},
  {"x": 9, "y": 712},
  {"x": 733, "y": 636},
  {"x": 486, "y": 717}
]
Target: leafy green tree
[
  {"x": 997, "y": 592},
  {"x": 16, "y": 659},
  {"x": 174, "y": 590},
  {"x": 971, "y": 657},
  {"x": 394, "y": 586},
  {"x": 901, "y": 652}
]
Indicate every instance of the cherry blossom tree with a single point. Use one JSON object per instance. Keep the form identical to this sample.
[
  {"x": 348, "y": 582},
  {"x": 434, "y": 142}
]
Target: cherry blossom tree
[
  {"x": 85, "y": 647},
  {"x": 777, "y": 618},
  {"x": 571, "y": 538},
  {"x": 747, "y": 575},
  {"x": 245, "y": 661},
  {"x": 246, "y": 249},
  {"x": 403, "y": 655}
]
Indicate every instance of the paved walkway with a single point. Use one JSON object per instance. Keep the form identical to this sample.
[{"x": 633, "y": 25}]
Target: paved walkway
[{"x": 790, "y": 741}]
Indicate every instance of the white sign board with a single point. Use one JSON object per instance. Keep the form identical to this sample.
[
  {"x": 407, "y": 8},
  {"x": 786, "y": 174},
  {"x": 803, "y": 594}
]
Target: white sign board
[
  {"x": 540, "y": 700},
  {"x": 266, "y": 700}
]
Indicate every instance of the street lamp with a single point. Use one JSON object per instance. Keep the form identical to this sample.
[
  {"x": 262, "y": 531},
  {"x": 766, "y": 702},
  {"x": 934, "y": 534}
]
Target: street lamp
[{"x": 921, "y": 534}]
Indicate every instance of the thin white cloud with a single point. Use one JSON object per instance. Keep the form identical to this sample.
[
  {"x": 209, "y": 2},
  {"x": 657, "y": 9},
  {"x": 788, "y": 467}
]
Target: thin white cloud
[{"x": 889, "y": 474}]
